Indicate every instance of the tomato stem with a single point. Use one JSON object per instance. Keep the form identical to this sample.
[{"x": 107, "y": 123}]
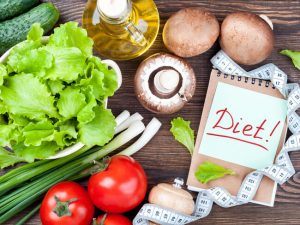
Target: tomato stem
[
  {"x": 102, "y": 222},
  {"x": 62, "y": 208},
  {"x": 100, "y": 165}
]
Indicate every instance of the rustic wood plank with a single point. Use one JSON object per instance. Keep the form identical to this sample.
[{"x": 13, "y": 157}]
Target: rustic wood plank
[{"x": 164, "y": 159}]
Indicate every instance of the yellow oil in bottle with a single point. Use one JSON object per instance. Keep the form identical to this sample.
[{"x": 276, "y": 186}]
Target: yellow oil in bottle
[{"x": 124, "y": 36}]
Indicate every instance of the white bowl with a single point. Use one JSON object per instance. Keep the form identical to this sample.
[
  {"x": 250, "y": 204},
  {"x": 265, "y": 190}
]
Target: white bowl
[{"x": 71, "y": 149}]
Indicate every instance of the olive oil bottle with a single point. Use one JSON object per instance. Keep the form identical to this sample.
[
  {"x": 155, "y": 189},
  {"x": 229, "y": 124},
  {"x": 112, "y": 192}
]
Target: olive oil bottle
[{"x": 121, "y": 29}]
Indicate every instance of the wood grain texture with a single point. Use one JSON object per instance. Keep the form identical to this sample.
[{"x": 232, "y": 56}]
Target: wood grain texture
[{"x": 163, "y": 158}]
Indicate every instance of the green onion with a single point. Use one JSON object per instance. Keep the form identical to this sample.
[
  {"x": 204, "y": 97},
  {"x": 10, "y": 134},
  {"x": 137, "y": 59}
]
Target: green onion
[
  {"x": 22, "y": 177},
  {"x": 29, "y": 215}
]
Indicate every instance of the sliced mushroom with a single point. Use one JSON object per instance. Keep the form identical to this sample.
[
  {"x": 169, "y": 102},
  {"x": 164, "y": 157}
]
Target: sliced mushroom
[
  {"x": 190, "y": 32},
  {"x": 246, "y": 38},
  {"x": 164, "y": 83}
]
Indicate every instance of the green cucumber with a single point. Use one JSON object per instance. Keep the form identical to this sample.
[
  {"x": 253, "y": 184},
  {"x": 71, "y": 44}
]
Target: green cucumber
[
  {"x": 15, "y": 30},
  {"x": 11, "y": 8}
]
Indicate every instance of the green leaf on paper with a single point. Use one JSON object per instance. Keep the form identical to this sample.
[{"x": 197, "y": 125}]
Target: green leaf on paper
[
  {"x": 183, "y": 133},
  {"x": 208, "y": 171}
]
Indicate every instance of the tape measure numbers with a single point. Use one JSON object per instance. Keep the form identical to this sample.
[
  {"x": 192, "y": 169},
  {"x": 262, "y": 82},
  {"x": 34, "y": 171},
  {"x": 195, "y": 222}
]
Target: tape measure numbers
[{"x": 280, "y": 172}]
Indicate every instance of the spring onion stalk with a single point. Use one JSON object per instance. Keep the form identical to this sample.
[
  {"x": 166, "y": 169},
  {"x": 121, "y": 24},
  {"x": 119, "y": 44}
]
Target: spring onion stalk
[
  {"x": 19, "y": 179},
  {"x": 128, "y": 122},
  {"x": 30, "y": 192},
  {"x": 151, "y": 129},
  {"x": 67, "y": 151},
  {"x": 26, "y": 167},
  {"x": 122, "y": 117},
  {"x": 28, "y": 215}
]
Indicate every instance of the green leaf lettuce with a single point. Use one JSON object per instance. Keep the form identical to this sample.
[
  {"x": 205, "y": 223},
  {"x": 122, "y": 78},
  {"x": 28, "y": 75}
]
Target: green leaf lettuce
[
  {"x": 183, "y": 133},
  {"x": 53, "y": 95},
  {"x": 208, "y": 171},
  {"x": 295, "y": 56}
]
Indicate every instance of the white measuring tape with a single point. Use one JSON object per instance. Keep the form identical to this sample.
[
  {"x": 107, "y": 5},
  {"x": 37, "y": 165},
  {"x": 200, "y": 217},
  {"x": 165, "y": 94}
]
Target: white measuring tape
[{"x": 280, "y": 172}]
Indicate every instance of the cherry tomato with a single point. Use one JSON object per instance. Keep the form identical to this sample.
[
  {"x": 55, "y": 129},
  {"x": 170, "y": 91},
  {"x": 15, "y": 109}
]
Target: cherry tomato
[
  {"x": 119, "y": 188},
  {"x": 112, "y": 219},
  {"x": 66, "y": 203}
]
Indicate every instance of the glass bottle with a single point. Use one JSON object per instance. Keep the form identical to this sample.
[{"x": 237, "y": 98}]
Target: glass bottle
[{"x": 121, "y": 29}]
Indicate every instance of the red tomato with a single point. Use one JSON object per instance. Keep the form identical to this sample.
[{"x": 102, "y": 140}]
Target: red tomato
[
  {"x": 66, "y": 203},
  {"x": 113, "y": 219},
  {"x": 119, "y": 188}
]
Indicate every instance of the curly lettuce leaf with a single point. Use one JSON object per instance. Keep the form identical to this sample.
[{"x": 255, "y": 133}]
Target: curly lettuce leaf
[
  {"x": 25, "y": 95},
  {"x": 18, "y": 120},
  {"x": 3, "y": 73},
  {"x": 100, "y": 130},
  {"x": 31, "y": 61},
  {"x": 295, "y": 57},
  {"x": 208, "y": 171},
  {"x": 36, "y": 133},
  {"x": 70, "y": 35},
  {"x": 103, "y": 79},
  {"x": 6, "y": 133},
  {"x": 66, "y": 134},
  {"x": 35, "y": 33},
  {"x": 55, "y": 86},
  {"x": 7, "y": 158},
  {"x": 183, "y": 133},
  {"x": 30, "y": 153},
  {"x": 68, "y": 63},
  {"x": 70, "y": 102},
  {"x": 87, "y": 113}
]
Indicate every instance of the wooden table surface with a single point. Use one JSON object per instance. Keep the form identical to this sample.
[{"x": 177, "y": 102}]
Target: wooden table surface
[{"x": 164, "y": 159}]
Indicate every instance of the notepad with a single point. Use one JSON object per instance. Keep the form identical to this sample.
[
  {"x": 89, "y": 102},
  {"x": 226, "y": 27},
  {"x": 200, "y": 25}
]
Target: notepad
[{"x": 243, "y": 127}]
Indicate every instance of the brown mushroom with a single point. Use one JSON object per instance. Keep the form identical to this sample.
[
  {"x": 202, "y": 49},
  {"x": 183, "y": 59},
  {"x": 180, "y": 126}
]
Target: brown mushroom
[
  {"x": 164, "y": 83},
  {"x": 190, "y": 32},
  {"x": 246, "y": 38}
]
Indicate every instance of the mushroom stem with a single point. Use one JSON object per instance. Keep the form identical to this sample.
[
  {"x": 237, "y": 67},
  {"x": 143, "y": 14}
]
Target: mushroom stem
[
  {"x": 166, "y": 81},
  {"x": 267, "y": 20}
]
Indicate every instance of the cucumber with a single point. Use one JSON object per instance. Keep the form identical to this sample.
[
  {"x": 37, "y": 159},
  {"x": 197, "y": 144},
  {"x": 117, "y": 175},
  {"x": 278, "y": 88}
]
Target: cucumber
[
  {"x": 15, "y": 30},
  {"x": 11, "y": 8}
]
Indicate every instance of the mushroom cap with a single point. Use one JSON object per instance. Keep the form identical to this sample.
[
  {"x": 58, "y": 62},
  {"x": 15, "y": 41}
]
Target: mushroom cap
[
  {"x": 246, "y": 38},
  {"x": 190, "y": 32},
  {"x": 154, "y": 101},
  {"x": 166, "y": 195}
]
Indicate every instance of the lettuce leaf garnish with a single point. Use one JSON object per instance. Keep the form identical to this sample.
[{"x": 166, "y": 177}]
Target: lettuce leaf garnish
[
  {"x": 295, "y": 57},
  {"x": 208, "y": 171},
  {"x": 183, "y": 133},
  {"x": 52, "y": 95}
]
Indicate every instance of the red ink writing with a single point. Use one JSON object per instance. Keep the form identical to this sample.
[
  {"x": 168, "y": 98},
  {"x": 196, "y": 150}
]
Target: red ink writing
[{"x": 247, "y": 133}]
